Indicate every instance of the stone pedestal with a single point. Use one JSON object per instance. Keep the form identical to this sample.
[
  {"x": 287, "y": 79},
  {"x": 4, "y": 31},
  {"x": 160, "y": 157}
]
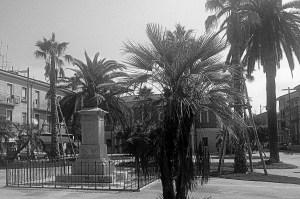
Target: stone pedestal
[{"x": 93, "y": 163}]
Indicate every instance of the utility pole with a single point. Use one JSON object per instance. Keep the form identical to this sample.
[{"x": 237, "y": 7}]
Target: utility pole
[
  {"x": 28, "y": 125},
  {"x": 290, "y": 111},
  {"x": 27, "y": 94}
]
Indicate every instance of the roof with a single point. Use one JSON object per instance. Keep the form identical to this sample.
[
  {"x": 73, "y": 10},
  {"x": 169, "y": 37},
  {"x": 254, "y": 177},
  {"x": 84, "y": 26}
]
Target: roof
[
  {"x": 292, "y": 91},
  {"x": 14, "y": 74},
  {"x": 131, "y": 100},
  {"x": 136, "y": 98}
]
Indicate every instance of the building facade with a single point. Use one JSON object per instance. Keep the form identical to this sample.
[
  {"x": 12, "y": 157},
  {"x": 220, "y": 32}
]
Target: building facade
[
  {"x": 288, "y": 117},
  {"x": 23, "y": 101},
  {"x": 205, "y": 131},
  {"x": 22, "y": 98}
]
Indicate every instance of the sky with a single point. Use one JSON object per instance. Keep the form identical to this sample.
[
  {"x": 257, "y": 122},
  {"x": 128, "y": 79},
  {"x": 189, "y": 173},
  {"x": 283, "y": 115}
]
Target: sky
[{"x": 103, "y": 26}]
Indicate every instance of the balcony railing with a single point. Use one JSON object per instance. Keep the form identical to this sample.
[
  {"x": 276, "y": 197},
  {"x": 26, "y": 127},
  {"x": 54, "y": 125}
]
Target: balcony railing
[
  {"x": 39, "y": 105},
  {"x": 9, "y": 100}
]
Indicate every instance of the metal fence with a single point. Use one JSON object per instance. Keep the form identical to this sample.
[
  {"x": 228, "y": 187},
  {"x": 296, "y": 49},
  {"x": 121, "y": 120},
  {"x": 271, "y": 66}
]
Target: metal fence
[{"x": 123, "y": 174}]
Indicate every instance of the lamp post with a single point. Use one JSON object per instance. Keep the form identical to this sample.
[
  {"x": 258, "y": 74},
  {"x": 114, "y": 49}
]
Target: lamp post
[{"x": 290, "y": 110}]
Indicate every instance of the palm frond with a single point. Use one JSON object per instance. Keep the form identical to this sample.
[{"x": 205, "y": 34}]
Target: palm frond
[
  {"x": 211, "y": 22},
  {"x": 40, "y": 54},
  {"x": 214, "y": 5}
]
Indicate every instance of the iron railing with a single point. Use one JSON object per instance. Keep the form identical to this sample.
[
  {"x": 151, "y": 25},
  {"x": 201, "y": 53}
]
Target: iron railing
[{"x": 123, "y": 174}]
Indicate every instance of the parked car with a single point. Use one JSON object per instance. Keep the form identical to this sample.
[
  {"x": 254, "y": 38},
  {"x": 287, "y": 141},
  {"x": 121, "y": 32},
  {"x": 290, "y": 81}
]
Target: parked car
[{"x": 283, "y": 146}]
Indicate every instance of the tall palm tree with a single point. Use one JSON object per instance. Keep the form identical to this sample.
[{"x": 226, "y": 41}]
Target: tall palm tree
[
  {"x": 235, "y": 23},
  {"x": 97, "y": 83},
  {"x": 277, "y": 33},
  {"x": 186, "y": 70},
  {"x": 53, "y": 53}
]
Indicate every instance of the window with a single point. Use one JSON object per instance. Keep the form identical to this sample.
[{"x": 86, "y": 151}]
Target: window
[
  {"x": 24, "y": 118},
  {"x": 204, "y": 116},
  {"x": 9, "y": 93},
  {"x": 9, "y": 115},
  {"x": 205, "y": 141},
  {"x": 24, "y": 94},
  {"x": 37, "y": 97},
  {"x": 160, "y": 116},
  {"x": 9, "y": 90}
]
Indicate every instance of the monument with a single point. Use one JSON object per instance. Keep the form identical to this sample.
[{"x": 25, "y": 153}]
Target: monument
[{"x": 93, "y": 163}]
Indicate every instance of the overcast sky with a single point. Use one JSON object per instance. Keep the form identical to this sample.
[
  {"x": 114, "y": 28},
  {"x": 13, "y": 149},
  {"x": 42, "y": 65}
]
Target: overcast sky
[{"x": 102, "y": 26}]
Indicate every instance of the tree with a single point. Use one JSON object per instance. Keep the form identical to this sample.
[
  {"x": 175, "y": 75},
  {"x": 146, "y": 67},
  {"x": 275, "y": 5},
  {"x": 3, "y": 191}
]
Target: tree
[
  {"x": 26, "y": 138},
  {"x": 277, "y": 33},
  {"x": 98, "y": 83},
  {"x": 187, "y": 71},
  {"x": 235, "y": 22},
  {"x": 6, "y": 132},
  {"x": 53, "y": 53}
]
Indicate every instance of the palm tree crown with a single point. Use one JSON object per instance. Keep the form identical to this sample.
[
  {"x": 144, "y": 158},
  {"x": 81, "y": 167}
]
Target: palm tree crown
[
  {"x": 278, "y": 32},
  {"x": 98, "y": 83},
  {"x": 50, "y": 48}
]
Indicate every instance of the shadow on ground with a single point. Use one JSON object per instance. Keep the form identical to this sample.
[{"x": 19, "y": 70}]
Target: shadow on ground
[{"x": 263, "y": 178}]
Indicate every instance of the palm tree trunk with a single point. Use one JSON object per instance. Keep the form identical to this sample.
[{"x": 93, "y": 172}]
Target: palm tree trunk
[
  {"x": 166, "y": 174},
  {"x": 166, "y": 160},
  {"x": 272, "y": 115},
  {"x": 223, "y": 152},
  {"x": 240, "y": 154},
  {"x": 54, "y": 143}
]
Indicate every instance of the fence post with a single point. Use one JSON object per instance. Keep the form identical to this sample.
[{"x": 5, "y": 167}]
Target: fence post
[
  {"x": 108, "y": 173},
  {"x": 41, "y": 166},
  {"x": 95, "y": 177},
  {"x": 54, "y": 161},
  {"x": 138, "y": 172},
  {"x": 6, "y": 171},
  {"x": 81, "y": 174},
  {"x": 29, "y": 173}
]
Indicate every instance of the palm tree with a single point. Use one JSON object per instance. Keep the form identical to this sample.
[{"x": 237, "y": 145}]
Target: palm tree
[
  {"x": 98, "y": 83},
  {"x": 186, "y": 70},
  {"x": 277, "y": 33},
  {"x": 53, "y": 53},
  {"x": 236, "y": 19}
]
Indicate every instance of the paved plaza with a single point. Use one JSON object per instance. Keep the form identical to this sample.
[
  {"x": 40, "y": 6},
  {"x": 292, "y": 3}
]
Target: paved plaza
[{"x": 217, "y": 188}]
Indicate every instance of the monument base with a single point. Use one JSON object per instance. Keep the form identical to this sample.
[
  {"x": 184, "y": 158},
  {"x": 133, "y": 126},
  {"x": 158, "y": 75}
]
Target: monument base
[
  {"x": 89, "y": 171},
  {"x": 92, "y": 167},
  {"x": 77, "y": 179}
]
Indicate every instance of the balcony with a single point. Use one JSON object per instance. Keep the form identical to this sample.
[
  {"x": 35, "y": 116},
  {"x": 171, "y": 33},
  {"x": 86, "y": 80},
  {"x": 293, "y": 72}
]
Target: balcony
[
  {"x": 9, "y": 100},
  {"x": 39, "y": 106}
]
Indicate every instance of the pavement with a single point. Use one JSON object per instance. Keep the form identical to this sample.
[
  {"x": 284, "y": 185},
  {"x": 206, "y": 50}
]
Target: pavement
[
  {"x": 216, "y": 188},
  {"x": 290, "y": 158}
]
